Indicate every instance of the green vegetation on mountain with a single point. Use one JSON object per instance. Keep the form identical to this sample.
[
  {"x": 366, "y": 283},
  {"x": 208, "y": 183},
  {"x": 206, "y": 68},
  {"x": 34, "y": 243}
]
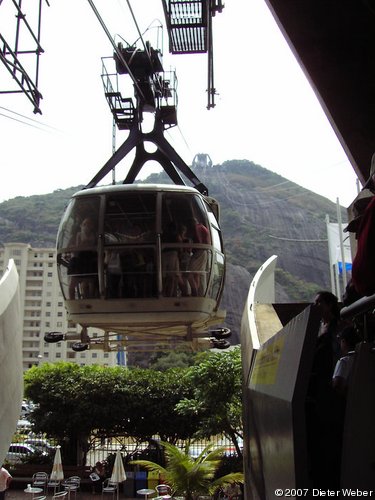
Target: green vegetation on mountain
[{"x": 33, "y": 219}]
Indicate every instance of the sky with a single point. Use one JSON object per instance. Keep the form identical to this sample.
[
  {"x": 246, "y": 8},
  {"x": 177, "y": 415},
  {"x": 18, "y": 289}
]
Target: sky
[{"x": 265, "y": 112}]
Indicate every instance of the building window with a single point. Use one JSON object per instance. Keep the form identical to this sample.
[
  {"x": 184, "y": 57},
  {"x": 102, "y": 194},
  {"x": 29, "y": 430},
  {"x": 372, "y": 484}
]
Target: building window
[{"x": 58, "y": 355}]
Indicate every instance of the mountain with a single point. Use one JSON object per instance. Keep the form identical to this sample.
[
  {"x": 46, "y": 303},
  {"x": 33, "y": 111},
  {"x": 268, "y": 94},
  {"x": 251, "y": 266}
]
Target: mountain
[{"x": 261, "y": 213}]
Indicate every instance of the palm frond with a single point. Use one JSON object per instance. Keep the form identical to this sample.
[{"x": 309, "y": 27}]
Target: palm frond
[
  {"x": 151, "y": 466},
  {"x": 189, "y": 476},
  {"x": 233, "y": 477}
]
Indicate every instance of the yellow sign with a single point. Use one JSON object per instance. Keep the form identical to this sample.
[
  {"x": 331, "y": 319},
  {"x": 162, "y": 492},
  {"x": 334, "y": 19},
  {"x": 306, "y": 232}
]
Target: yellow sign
[{"x": 267, "y": 362}]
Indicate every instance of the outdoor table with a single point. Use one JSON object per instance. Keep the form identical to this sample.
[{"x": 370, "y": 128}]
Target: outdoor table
[
  {"x": 33, "y": 490},
  {"x": 146, "y": 492}
]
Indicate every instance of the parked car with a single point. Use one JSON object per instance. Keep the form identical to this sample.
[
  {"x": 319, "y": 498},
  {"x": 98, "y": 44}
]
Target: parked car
[
  {"x": 25, "y": 410},
  {"x": 18, "y": 453},
  {"x": 23, "y": 425},
  {"x": 40, "y": 444}
]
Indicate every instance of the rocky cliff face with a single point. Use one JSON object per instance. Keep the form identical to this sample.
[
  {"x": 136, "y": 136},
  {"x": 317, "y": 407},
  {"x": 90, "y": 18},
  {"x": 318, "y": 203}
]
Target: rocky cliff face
[{"x": 263, "y": 214}]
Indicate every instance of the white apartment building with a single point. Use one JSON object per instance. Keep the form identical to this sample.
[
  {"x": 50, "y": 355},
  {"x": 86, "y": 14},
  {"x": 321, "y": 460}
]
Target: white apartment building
[{"x": 43, "y": 308}]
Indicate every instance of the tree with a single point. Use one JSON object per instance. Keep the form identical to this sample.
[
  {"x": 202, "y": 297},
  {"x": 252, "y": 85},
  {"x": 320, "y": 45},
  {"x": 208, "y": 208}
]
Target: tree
[
  {"x": 176, "y": 359},
  {"x": 188, "y": 476},
  {"x": 74, "y": 403},
  {"x": 216, "y": 382}
]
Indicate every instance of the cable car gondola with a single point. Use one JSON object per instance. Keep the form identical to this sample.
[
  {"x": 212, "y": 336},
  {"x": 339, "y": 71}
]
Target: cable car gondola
[{"x": 139, "y": 257}]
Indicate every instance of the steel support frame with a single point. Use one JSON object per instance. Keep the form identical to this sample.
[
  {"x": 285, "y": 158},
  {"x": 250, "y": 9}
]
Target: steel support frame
[
  {"x": 165, "y": 155},
  {"x": 13, "y": 64}
]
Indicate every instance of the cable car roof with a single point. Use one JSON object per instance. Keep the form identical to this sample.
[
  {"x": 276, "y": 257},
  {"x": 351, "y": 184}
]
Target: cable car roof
[{"x": 125, "y": 188}]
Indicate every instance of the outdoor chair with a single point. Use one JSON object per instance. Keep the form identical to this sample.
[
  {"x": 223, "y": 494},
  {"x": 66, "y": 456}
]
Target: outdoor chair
[
  {"x": 72, "y": 484},
  {"x": 40, "y": 498},
  {"x": 39, "y": 480},
  {"x": 164, "y": 491},
  {"x": 53, "y": 483},
  {"x": 109, "y": 487},
  {"x": 59, "y": 495}
]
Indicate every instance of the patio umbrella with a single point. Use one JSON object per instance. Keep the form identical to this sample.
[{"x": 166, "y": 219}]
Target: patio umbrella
[
  {"x": 57, "y": 473},
  {"x": 118, "y": 471}
]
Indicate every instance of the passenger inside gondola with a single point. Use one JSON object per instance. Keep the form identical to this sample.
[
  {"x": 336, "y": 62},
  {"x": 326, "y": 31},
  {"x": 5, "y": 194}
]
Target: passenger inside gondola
[
  {"x": 83, "y": 264},
  {"x": 170, "y": 261},
  {"x": 129, "y": 267},
  {"x": 199, "y": 261},
  {"x": 185, "y": 255},
  {"x": 185, "y": 264},
  {"x": 112, "y": 259}
]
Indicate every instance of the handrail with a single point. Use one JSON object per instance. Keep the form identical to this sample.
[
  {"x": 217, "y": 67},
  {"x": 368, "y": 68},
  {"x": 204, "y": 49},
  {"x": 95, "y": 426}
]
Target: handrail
[{"x": 360, "y": 306}]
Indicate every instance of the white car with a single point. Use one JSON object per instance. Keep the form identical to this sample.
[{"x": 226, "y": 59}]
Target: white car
[
  {"x": 25, "y": 410},
  {"x": 40, "y": 444},
  {"x": 23, "y": 425},
  {"x": 18, "y": 452}
]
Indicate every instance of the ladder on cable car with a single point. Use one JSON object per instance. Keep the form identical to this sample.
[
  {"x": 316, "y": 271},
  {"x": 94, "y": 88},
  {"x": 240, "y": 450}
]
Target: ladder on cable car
[{"x": 122, "y": 108}]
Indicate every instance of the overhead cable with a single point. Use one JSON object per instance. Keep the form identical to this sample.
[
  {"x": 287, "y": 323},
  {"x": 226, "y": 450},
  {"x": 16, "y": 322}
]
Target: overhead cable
[
  {"x": 23, "y": 122},
  {"x": 139, "y": 31},
  {"x": 297, "y": 240},
  {"x": 26, "y": 118},
  {"x": 116, "y": 49},
  {"x": 146, "y": 49}
]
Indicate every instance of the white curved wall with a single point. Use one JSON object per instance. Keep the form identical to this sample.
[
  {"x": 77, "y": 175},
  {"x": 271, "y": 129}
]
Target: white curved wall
[{"x": 11, "y": 375}]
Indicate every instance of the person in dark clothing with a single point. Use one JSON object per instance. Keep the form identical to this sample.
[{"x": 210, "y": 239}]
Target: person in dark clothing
[
  {"x": 348, "y": 339},
  {"x": 323, "y": 406}
]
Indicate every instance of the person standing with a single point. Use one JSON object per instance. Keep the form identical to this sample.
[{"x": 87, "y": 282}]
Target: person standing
[
  {"x": 323, "y": 404},
  {"x": 5, "y": 479},
  {"x": 199, "y": 259},
  {"x": 348, "y": 338}
]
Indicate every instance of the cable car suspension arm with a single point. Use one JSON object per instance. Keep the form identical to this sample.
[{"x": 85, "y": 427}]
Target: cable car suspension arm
[{"x": 165, "y": 155}]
